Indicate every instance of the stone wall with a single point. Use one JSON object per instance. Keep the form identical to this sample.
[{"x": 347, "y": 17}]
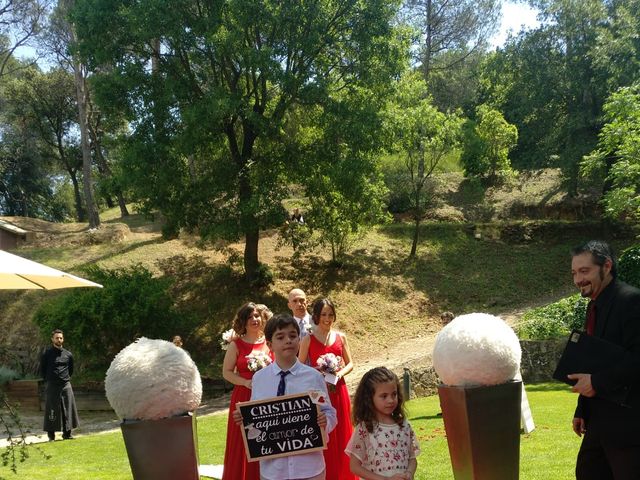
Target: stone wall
[{"x": 539, "y": 359}]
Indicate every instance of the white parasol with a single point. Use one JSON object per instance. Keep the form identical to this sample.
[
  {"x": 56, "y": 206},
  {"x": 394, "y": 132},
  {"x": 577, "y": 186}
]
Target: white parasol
[{"x": 19, "y": 273}]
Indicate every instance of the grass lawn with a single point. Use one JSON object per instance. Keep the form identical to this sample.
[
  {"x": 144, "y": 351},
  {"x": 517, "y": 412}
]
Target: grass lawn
[{"x": 547, "y": 453}]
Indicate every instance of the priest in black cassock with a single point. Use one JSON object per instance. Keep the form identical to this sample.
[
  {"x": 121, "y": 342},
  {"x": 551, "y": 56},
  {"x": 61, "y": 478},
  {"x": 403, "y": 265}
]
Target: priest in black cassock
[{"x": 56, "y": 366}]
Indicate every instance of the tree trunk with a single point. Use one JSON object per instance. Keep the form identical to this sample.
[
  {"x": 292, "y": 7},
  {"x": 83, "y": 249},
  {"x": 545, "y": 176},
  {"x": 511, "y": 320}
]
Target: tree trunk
[
  {"x": 416, "y": 237},
  {"x": 426, "y": 59},
  {"x": 124, "y": 212},
  {"x": 252, "y": 235},
  {"x": 92, "y": 211},
  {"x": 80, "y": 213}
]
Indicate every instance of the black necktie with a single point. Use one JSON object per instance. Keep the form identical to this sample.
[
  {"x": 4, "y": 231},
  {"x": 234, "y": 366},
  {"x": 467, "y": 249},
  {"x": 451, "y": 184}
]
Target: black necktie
[{"x": 281, "y": 385}]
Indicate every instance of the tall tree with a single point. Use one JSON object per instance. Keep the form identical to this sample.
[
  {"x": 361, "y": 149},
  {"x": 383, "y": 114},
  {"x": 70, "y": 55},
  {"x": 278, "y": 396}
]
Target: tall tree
[
  {"x": 60, "y": 39},
  {"x": 451, "y": 36},
  {"x": 618, "y": 154},
  {"x": 26, "y": 174},
  {"x": 552, "y": 82},
  {"x": 20, "y": 22},
  {"x": 423, "y": 136},
  {"x": 49, "y": 100},
  {"x": 209, "y": 120}
]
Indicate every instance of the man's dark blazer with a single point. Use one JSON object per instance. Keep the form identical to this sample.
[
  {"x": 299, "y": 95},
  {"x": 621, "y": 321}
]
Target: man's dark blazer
[{"x": 617, "y": 321}]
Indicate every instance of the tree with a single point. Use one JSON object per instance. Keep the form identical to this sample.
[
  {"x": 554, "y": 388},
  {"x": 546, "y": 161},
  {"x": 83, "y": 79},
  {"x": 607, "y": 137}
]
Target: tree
[
  {"x": 27, "y": 172},
  {"x": 553, "y": 81},
  {"x": 452, "y": 35},
  {"x": 59, "y": 40},
  {"x": 209, "y": 120},
  {"x": 49, "y": 100},
  {"x": 617, "y": 157},
  {"x": 20, "y": 22},
  {"x": 423, "y": 136},
  {"x": 487, "y": 147}
]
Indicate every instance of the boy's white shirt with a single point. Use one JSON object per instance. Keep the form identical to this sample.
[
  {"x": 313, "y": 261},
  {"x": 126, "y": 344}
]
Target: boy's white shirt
[{"x": 302, "y": 379}]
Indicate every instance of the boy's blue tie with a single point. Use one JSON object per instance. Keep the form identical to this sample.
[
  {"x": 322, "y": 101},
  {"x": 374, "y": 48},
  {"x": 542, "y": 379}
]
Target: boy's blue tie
[{"x": 281, "y": 385}]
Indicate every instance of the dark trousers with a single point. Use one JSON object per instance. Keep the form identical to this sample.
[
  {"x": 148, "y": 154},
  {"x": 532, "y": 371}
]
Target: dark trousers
[{"x": 598, "y": 461}]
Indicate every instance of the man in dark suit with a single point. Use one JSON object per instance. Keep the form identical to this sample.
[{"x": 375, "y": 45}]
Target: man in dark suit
[
  {"x": 611, "y": 445},
  {"x": 56, "y": 366}
]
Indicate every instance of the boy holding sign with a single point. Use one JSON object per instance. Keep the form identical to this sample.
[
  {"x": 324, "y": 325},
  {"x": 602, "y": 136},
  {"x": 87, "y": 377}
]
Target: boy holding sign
[{"x": 287, "y": 376}]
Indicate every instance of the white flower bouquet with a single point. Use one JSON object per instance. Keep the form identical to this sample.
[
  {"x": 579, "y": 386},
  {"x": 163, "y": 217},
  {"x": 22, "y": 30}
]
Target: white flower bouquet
[
  {"x": 329, "y": 364},
  {"x": 257, "y": 360},
  {"x": 227, "y": 338}
]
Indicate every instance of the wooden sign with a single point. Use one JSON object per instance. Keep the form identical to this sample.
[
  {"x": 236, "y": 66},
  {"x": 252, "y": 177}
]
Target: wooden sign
[{"x": 282, "y": 426}]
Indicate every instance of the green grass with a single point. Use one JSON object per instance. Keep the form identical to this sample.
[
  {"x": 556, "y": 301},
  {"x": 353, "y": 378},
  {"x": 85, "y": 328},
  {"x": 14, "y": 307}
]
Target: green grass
[{"x": 549, "y": 452}]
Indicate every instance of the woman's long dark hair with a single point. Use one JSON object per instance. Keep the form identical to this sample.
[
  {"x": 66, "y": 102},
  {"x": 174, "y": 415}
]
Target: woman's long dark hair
[{"x": 318, "y": 305}]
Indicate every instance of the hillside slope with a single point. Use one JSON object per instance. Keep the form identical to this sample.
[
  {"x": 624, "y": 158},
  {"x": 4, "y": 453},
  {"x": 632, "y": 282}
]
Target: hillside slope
[{"x": 385, "y": 302}]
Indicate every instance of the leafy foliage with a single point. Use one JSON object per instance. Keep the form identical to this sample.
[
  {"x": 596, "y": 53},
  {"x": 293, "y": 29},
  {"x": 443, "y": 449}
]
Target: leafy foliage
[
  {"x": 629, "y": 266},
  {"x": 214, "y": 138},
  {"x": 7, "y": 374},
  {"x": 98, "y": 323},
  {"x": 551, "y": 82},
  {"x": 422, "y": 136},
  {"x": 488, "y": 144},
  {"x": 554, "y": 320},
  {"x": 618, "y": 154}
]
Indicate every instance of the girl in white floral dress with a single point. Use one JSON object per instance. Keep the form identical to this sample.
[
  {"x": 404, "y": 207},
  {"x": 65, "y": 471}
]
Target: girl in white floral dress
[{"x": 383, "y": 444}]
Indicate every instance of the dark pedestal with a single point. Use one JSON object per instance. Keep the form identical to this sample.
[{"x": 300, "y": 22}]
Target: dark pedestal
[
  {"x": 162, "y": 449},
  {"x": 483, "y": 430}
]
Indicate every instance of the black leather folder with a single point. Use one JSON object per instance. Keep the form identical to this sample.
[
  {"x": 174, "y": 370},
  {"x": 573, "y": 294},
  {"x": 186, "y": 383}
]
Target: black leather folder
[{"x": 588, "y": 354}]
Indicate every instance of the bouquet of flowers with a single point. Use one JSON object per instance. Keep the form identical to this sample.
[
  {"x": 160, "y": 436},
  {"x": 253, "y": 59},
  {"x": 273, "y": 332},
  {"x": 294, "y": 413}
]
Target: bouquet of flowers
[
  {"x": 329, "y": 364},
  {"x": 227, "y": 337},
  {"x": 257, "y": 360}
]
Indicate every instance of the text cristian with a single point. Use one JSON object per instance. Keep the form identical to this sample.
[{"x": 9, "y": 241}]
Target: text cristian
[{"x": 281, "y": 407}]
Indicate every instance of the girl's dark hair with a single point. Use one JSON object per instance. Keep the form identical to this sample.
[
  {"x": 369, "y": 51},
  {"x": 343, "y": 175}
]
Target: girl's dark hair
[
  {"x": 318, "y": 305},
  {"x": 242, "y": 315},
  {"x": 363, "y": 408}
]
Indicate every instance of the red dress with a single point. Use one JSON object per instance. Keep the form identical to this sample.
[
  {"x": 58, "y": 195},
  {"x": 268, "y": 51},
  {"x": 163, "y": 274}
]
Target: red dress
[
  {"x": 337, "y": 462},
  {"x": 236, "y": 466}
]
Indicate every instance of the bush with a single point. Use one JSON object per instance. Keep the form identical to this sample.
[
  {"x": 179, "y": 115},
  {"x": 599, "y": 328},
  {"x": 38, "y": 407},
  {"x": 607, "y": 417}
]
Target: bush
[
  {"x": 7, "y": 374},
  {"x": 553, "y": 320},
  {"x": 98, "y": 323},
  {"x": 629, "y": 266}
]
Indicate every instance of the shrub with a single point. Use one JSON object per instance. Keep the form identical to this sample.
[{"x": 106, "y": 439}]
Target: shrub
[
  {"x": 629, "y": 266},
  {"x": 98, "y": 323},
  {"x": 554, "y": 320},
  {"x": 7, "y": 374}
]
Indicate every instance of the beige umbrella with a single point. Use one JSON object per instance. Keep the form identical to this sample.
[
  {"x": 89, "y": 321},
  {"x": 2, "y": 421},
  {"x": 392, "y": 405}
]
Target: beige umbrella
[{"x": 19, "y": 273}]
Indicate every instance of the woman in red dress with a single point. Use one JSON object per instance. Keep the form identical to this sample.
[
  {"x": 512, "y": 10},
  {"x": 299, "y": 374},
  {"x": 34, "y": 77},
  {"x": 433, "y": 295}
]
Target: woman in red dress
[
  {"x": 248, "y": 325},
  {"x": 325, "y": 340}
]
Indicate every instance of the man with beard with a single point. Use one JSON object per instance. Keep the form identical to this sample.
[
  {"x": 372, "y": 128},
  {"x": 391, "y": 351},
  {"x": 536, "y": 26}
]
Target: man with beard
[
  {"x": 611, "y": 444},
  {"x": 56, "y": 367}
]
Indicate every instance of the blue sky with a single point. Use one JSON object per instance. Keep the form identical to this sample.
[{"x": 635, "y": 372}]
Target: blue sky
[{"x": 514, "y": 16}]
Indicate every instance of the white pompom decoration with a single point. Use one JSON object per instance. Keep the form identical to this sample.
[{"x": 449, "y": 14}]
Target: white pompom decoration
[
  {"x": 476, "y": 349},
  {"x": 152, "y": 379}
]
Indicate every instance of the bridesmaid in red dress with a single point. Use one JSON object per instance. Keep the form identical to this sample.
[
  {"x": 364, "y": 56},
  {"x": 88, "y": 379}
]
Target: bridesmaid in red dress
[
  {"x": 326, "y": 340},
  {"x": 248, "y": 325}
]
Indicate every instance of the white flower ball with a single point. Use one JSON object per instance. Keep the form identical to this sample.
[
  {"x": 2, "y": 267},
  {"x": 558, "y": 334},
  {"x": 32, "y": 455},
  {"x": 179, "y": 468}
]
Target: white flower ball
[
  {"x": 152, "y": 379},
  {"x": 476, "y": 349}
]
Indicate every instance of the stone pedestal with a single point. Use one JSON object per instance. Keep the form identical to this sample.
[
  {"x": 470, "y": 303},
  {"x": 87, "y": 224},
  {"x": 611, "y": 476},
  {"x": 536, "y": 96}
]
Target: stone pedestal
[
  {"x": 483, "y": 430},
  {"x": 163, "y": 449}
]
